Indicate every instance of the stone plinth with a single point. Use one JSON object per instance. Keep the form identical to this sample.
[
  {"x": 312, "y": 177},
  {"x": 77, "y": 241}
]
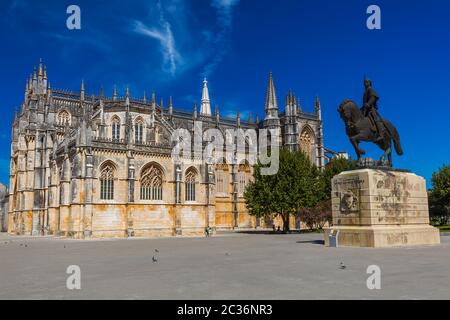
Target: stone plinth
[{"x": 378, "y": 208}]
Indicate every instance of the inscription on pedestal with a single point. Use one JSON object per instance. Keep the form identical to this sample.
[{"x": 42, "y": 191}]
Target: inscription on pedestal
[{"x": 380, "y": 208}]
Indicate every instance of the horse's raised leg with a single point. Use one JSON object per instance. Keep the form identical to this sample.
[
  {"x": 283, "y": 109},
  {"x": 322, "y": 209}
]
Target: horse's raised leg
[
  {"x": 355, "y": 146},
  {"x": 355, "y": 142}
]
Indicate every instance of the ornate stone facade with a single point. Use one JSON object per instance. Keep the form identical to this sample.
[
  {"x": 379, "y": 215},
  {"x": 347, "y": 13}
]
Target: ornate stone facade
[{"x": 96, "y": 166}]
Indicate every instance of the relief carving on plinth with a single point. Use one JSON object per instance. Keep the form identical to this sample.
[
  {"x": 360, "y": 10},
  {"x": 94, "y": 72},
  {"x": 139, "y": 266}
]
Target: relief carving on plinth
[{"x": 348, "y": 190}]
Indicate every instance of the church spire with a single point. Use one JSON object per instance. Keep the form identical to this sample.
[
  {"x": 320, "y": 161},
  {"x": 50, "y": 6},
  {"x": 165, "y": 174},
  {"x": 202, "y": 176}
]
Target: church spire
[
  {"x": 44, "y": 80},
  {"x": 271, "y": 121},
  {"x": 195, "y": 111},
  {"x": 153, "y": 99},
  {"x": 170, "y": 106},
  {"x": 82, "y": 91},
  {"x": 205, "y": 109},
  {"x": 35, "y": 81},
  {"x": 41, "y": 70},
  {"x": 271, "y": 100},
  {"x": 318, "y": 107},
  {"x": 115, "y": 93},
  {"x": 127, "y": 96},
  {"x": 217, "y": 114}
]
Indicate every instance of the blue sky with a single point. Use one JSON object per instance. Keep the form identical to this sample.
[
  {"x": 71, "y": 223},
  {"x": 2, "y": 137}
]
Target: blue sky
[{"x": 313, "y": 47}]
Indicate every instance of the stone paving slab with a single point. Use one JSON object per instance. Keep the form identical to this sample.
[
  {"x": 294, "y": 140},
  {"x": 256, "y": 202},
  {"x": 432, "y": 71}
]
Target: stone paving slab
[{"x": 232, "y": 266}]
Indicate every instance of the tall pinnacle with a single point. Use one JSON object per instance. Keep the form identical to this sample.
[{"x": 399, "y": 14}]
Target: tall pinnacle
[
  {"x": 170, "y": 105},
  {"x": 41, "y": 72},
  {"x": 271, "y": 100},
  {"x": 318, "y": 107},
  {"x": 205, "y": 109},
  {"x": 82, "y": 91}
]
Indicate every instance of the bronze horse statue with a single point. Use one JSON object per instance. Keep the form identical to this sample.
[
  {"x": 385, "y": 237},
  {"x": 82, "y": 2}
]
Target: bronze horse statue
[{"x": 360, "y": 128}]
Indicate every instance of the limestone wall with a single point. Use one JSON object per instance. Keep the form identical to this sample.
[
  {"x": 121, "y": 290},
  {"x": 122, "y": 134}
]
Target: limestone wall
[
  {"x": 74, "y": 207},
  {"x": 4, "y": 206}
]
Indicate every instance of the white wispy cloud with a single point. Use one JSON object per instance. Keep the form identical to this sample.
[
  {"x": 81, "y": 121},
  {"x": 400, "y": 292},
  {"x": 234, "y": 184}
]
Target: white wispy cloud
[
  {"x": 163, "y": 33},
  {"x": 175, "y": 35},
  {"x": 224, "y": 9}
]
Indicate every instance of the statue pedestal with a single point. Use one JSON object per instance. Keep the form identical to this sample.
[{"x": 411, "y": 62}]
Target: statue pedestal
[{"x": 380, "y": 208}]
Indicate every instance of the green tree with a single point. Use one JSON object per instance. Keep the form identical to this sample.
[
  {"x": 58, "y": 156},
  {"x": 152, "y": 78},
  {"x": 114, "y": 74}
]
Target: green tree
[
  {"x": 332, "y": 169},
  {"x": 440, "y": 195},
  {"x": 296, "y": 185}
]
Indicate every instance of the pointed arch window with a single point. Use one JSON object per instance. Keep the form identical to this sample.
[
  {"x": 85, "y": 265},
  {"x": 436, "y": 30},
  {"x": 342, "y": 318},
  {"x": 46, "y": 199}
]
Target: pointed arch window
[
  {"x": 63, "y": 118},
  {"x": 115, "y": 129},
  {"x": 191, "y": 181},
  {"x": 107, "y": 182},
  {"x": 222, "y": 179},
  {"x": 151, "y": 184},
  {"x": 307, "y": 143},
  {"x": 243, "y": 178},
  {"x": 139, "y": 131}
]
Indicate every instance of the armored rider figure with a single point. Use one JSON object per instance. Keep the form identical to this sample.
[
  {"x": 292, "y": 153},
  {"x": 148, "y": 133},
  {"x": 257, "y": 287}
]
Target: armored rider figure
[{"x": 370, "y": 109}]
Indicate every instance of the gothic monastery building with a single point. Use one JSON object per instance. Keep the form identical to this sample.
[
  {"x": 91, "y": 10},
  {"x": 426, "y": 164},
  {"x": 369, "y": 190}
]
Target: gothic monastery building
[{"x": 87, "y": 166}]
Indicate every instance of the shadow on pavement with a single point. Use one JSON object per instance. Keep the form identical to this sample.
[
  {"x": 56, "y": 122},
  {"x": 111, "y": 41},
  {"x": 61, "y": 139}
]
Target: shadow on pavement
[{"x": 318, "y": 242}]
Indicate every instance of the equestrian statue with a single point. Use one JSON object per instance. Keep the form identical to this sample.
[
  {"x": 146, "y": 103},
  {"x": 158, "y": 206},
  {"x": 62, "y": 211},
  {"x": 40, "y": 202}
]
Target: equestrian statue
[{"x": 365, "y": 124}]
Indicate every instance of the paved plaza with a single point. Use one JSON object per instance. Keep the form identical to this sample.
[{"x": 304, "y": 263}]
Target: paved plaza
[{"x": 229, "y": 266}]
